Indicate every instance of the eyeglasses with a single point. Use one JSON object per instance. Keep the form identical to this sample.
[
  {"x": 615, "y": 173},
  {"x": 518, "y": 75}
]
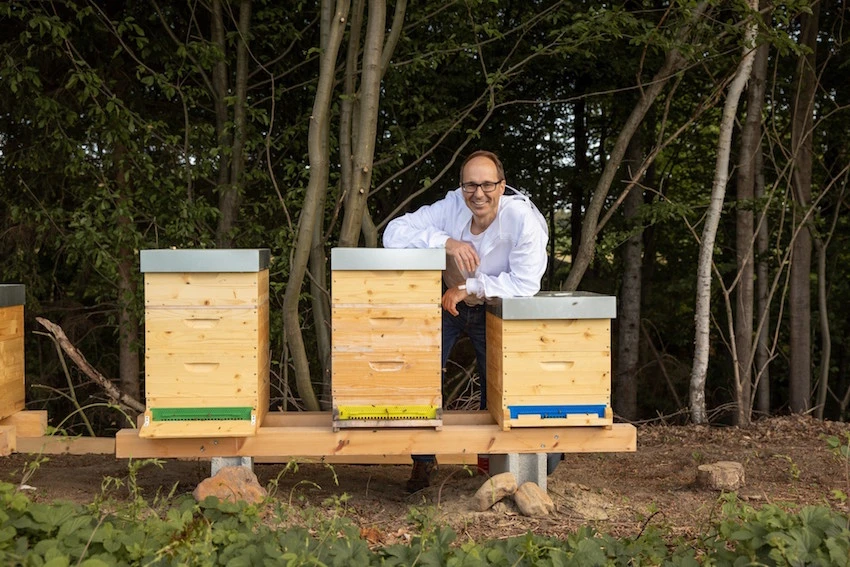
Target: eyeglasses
[{"x": 487, "y": 186}]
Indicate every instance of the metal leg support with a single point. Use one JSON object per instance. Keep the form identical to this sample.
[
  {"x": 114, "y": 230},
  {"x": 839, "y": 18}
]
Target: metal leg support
[
  {"x": 218, "y": 463},
  {"x": 527, "y": 467}
]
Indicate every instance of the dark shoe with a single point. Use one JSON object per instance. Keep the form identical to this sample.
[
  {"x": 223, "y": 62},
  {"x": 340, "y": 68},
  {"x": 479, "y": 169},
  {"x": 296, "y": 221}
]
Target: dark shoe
[{"x": 420, "y": 477}]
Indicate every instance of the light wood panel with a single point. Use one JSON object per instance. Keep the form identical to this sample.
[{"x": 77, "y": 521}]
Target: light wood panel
[
  {"x": 366, "y": 287},
  {"x": 12, "y": 387},
  {"x": 319, "y": 441},
  {"x": 563, "y": 335},
  {"x": 206, "y": 289}
]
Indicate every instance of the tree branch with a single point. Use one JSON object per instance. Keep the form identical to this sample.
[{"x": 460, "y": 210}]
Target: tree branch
[{"x": 73, "y": 352}]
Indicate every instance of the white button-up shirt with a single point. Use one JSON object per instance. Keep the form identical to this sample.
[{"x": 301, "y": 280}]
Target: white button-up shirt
[{"x": 512, "y": 250}]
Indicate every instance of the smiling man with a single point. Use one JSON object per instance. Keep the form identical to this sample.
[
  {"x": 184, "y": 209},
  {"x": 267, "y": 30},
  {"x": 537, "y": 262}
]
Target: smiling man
[{"x": 495, "y": 241}]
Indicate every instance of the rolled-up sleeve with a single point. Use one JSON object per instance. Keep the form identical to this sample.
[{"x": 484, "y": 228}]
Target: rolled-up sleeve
[
  {"x": 424, "y": 228},
  {"x": 526, "y": 263}
]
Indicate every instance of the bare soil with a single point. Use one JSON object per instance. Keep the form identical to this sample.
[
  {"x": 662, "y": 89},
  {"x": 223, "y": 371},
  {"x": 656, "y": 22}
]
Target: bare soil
[{"x": 786, "y": 459}]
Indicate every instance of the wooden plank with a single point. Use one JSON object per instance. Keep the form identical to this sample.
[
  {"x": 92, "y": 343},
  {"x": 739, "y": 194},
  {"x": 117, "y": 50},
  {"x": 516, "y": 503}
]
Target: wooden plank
[
  {"x": 379, "y": 371},
  {"x": 193, "y": 330},
  {"x": 325, "y": 418},
  {"x": 8, "y": 440},
  {"x": 32, "y": 423},
  {"x": 369, "y": 287},
  {"x": 458, "y": 439},
  {"x": 56, "y": 445},
  {"x": 582, "y": 420},
  {"x": 128, "y": 445},
  {"x": 563, "y": 335},
  {"x": 197, "y": 429},
  {"x": 206, "y": 289},
  {"x": 594, "y": 398},
  {"x": 203, "y": 365},
  {"x": 495, "y": 360},
  {"x": 244, "y": 388},
  {"x": 364, "y": 329},
  {"x": 11, "y": 322},
  {"x": 468, "y": 459}
]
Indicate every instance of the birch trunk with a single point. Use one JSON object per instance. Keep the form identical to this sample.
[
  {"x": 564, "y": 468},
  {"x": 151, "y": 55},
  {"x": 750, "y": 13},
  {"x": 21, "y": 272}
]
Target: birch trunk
[{"x": 718, "y": 191}]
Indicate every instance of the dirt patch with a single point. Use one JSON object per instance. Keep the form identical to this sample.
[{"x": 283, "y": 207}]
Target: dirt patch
[{"x": 787, "y": 461}]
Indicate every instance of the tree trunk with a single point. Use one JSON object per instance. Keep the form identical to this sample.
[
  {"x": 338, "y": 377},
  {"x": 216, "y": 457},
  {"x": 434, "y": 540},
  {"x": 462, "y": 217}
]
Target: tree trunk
[
  {"x": 744, "y": 244},
  {"x": 367, "y": 124},
  {"x": 762, "y": 292},
  {"x": 310, "y": 213},
  {"x": 800, "y": 367},
  {"x": 702, "y": 312},
  {"x": 628, "y": 320},
  {"x": 230, "y": 198},
  {"x": 129, "y": 366},
  {"x": 581, "y": 174}
]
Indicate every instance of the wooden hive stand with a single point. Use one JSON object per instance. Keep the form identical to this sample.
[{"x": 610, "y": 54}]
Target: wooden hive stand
[
  {"x": 386, "y": 337},
  {"x": 206, "y": 342},
  {"x": 549, "y": 360}
]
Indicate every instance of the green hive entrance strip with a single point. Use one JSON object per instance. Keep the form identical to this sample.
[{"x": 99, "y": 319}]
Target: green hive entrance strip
[{"x": 201, "y": 414}]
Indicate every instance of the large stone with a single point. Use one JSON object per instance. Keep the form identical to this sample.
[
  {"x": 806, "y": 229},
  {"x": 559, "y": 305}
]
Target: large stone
[
  {"x": 494, "y": 489},
  {"x": 233, "y": 484},
  {"x": 533, "y": 500},
  {"x": 722, "y": 475}
]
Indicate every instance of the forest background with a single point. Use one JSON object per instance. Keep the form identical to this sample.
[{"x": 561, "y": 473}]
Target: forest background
[{"x": 689, "y": 156}]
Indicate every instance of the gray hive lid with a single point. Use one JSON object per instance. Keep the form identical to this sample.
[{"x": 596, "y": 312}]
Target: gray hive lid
[
  {"x": 200, "y": 260},
  {"x": 388, "y": 259},
  {"x": 12, "y": 294},
  {"x": 556, "y": 305}
]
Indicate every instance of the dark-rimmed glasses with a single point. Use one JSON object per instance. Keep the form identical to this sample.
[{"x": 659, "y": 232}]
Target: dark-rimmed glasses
[{"x": 486, "y": 186}]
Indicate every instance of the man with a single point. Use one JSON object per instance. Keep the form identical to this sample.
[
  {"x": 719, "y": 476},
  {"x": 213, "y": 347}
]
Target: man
[{"x": 495, "y": 247}]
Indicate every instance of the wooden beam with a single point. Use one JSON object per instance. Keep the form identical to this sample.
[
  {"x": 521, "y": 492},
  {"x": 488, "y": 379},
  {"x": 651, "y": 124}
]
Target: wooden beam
[
  {"x": 27, "y": 423},
  {"x": 307, "y": 439},
  {"x": 8, "y": 440},
  {"x": 467, "y": 459},
  {"x": 67, "y": 445}
]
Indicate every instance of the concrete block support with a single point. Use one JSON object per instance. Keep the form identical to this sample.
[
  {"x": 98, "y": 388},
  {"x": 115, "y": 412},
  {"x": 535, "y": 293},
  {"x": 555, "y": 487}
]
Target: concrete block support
[
  {"x": 218, "y": 463},
  {"x": 527, "y": 467}
]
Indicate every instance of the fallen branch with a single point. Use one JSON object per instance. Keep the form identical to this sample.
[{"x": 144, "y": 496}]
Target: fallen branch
[{"x": 74, "y": 354}]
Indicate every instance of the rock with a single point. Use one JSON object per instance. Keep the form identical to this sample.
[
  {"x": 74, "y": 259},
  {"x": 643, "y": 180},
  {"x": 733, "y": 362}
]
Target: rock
[
  {"x": 722, "y": 475},
  {"x": 233, "y": 484},
  {"x": 494, "y": 489},
  {"x": 533, "y": 500}
]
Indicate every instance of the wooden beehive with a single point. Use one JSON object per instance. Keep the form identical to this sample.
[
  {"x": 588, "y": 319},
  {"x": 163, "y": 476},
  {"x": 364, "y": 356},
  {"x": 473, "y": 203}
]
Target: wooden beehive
[
  {"x": 12, "y": 392},
  {"x": 549, "y": 360},
  {"x": 206, "y": 342},
  {"x": 386, "y": 337}
]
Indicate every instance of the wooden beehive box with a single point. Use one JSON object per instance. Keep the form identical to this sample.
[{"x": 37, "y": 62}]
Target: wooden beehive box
[
  {"x": 206, "y": 342},
  {"x": 549, "y": 360},
  {"x": 386, "y": 337},
  {"x": 12, "y": 393}
]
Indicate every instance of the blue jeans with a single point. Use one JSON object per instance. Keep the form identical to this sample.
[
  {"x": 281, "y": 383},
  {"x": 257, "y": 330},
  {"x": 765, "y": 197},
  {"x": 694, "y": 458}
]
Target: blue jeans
[{"x": 473, "y": 322}]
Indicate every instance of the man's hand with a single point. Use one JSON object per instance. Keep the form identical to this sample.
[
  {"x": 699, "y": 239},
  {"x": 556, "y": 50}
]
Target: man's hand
[
  {"x": 452, "y": 297},
  {"x": 464, "y": 254}
]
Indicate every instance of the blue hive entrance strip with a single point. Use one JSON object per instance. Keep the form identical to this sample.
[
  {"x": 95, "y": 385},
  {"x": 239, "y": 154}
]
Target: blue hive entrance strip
[{"x": 555, "y": 412}]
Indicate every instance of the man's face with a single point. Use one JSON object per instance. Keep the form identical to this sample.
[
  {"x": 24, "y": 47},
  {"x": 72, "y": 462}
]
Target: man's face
[{"x": 482, "y": 204}]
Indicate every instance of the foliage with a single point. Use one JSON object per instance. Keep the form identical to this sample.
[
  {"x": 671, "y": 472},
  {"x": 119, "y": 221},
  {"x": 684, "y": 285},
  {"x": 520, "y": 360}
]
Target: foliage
[
  {"x": 110, "y": 143},
  {"x": 183, "y": 532}
]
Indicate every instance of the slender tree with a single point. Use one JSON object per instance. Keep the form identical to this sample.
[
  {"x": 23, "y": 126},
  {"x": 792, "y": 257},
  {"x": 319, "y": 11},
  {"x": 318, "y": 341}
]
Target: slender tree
[
  {"x": 712, "y": 219},
  {"x": 800, "y": 370}
]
